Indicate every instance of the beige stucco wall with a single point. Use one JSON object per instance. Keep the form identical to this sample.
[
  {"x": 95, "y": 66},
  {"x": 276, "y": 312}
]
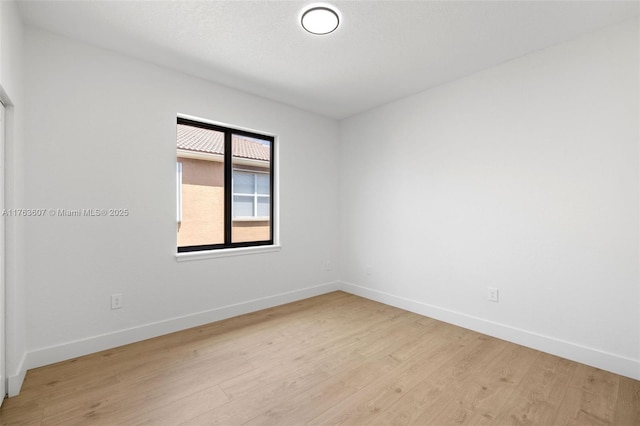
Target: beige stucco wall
[
  {"x": 202, "y": 203},
  {"x": 243, "y": 231}
]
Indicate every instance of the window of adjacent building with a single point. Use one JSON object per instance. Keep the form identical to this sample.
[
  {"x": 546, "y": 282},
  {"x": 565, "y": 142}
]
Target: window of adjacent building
[
  {"x": 224, "y": 187},
  {"x": 251, "y": 195}
]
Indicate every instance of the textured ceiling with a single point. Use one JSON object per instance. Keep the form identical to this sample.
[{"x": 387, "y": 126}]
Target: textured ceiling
[{"x": 382, "y": 51}]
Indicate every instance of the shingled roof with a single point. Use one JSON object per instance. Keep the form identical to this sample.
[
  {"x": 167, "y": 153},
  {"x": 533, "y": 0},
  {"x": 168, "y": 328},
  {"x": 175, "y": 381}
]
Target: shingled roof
[{"x": 208, "y": 141}]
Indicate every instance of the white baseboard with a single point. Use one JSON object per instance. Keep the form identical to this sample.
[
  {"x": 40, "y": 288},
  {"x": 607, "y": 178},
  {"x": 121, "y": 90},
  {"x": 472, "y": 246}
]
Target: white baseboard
[
  {"x": 14, "y": 381},
  {"x": 606, "y": 361},
  {"x": 49, "y": 355},
  {"x": 74, "y": 349}
]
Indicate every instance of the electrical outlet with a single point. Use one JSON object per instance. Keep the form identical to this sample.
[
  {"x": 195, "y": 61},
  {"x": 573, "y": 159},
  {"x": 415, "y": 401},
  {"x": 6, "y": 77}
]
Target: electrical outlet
[
  {"x": 368, "y": 270},
  {"x": 116, "y": 301},
  {"x": 493, "y": 294},
  {"x": 327, "y": 265}
]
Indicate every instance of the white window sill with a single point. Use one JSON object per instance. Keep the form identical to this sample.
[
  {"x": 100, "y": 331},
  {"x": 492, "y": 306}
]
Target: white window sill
[{"x": 212, "y": 254}]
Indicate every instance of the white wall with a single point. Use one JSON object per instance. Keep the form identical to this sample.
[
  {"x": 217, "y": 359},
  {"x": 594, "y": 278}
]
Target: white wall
[
  {"x": 101, "y": 134},
  {"x": 523, "y": 177},
  {"x": 11, "y": 83}
]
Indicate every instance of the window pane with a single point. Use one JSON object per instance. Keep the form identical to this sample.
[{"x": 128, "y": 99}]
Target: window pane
[
  {"x": 201, "y": 153},
  {"x": 243, "y": 183},
  {"x": 242, "y": 206},
  {"x": 264, "y": 209},
  {"x": 252, "y": 168},
  {"x": 263, "y": 184}
]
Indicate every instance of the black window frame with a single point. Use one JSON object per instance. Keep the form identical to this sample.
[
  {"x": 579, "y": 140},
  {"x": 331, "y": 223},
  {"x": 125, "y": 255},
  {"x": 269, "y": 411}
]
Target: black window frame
[{"x": 228, "y": 189}]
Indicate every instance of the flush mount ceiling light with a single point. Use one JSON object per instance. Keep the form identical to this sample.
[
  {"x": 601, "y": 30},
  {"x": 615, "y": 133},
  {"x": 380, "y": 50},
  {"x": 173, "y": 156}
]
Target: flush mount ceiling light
[{"x": 320, "y": 20}]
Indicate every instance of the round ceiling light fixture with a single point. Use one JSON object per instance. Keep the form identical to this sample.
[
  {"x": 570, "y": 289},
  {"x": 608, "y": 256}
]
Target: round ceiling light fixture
[{"x": 320, "y": 20}]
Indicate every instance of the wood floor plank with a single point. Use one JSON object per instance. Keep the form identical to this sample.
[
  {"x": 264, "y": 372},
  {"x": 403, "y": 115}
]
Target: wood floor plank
[
  {"x": 348, "y": 380},
  {"x": 330, "y": 359},
  {"x": 628, "y": 403},
  {"x": 590, "y": 399},
  {"x": 119, "y": 400},
  {"x": 424, "y": 341},
  {"x": 480, "y": 396},
  {"x": 325, "y": 354},
  {"x": 429, "y": 397},
  {"x": 536, "y": 400},
  {"x": 363, "y": 406},
  {"x": 180, "y": 410},
  {"x": 347, "y": 367},
  {"x": 304, "y": 406},
  {"x": 26, "y": 414},
  {"x": 396, "y": 333}
]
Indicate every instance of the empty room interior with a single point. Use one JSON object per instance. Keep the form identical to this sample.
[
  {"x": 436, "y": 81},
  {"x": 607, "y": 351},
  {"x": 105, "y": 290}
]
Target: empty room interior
[{"x": 345, "y": 212}]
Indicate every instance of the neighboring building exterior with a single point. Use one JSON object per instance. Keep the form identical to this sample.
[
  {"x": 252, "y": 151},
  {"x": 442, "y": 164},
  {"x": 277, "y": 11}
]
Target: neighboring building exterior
[{"x": 201, "y": 188}]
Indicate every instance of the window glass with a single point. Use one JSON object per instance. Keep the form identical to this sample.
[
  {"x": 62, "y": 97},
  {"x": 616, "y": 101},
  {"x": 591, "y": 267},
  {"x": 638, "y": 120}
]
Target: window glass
[
  {"x": 243, "y": 183},
  {"x": 201, "y": 155},
  {"x": 252, "y": 176},
  {"x": 263, "y": 184},
  {"x": 263, "y": 206},
  {"x": 242, "y": 206}
]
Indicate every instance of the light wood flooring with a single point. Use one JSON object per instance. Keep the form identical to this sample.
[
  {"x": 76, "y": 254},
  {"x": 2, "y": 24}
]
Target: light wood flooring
[{"x": 332, "y": 359}]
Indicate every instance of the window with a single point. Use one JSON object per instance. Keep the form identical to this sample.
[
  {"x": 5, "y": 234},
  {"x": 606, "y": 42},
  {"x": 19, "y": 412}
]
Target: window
[
  {"x": 225, "y": 183},
  {"x": 251, "y": 195}
]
